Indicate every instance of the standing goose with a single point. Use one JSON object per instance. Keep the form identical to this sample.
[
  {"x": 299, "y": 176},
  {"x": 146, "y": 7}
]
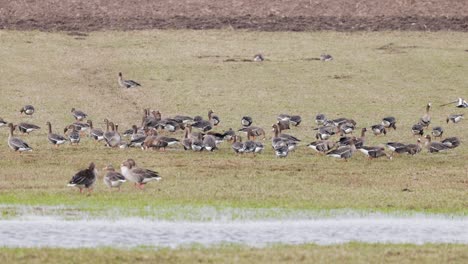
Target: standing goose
[
  {"x": 95, "y": 133},
  {"x": 435, "y": 146},
  {"x": 152, "y": 141},
  {"x": 127, "y": 83},
  {"x": 455, "y": 118},
  {"x": 209, "y": 143},
  {"x": 451, "y": 142},
  {"x": 112, "y": 178},
  {"x": 320, "y": 119},
  {"x": 397, "y": 147},
  {"x": 81, "y": 127},
  {"x": 137, "y": 139},
  {"x": 374, "y": 152},
  {"x": 78, "y": 114},
  {"x": 112, "y": 137},
  {"x": 251, "y": 146},
  {"x": 389, "y": 122},
  {"x": 55, "y": 139},
  {"x": 237, "y": 145},
  {"x": 246, "y": 121},
  {"x": 27, "y": 110},
  {"x": 187, "y": 140},
  {"x": 15, "y": 143},
  {"x": 84, "y": 179},
  {"x": 140, "y": 177},
  {"x": 417, "y": 129},
  {"x": 322, "y": 146},
  {"x": 414, "y": 149},
  {"x": 27, "y": 128},
  {"x": 344, "y": 152},
  {"x": 253, "y": 132},
  {"x": 437, "y": 132},
  {"x": 425, "y": 120},
  {"x": 2, "y": 122},
  {"x": 283, "y": 136},
  {"x": 73, "y": 135},
  {"x": 378, "y": 129}
]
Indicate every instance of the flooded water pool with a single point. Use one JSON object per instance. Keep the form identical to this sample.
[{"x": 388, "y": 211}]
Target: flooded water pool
[{"x": 45, "y": 231}]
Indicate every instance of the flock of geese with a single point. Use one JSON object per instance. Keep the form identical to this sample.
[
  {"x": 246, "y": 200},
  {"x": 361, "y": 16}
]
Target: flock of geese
[{"x": 156, "y": 133}]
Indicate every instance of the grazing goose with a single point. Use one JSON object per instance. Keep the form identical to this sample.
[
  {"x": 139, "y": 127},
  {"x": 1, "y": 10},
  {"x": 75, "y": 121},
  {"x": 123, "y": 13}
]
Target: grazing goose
[
  {"x": 2, "y": 122},
  {"x": 246, "y": 121},
  {"x": 281, "y": 150},
  {"x": 455, "y": 118},
  {"x": 203, "y": 125},
  {"x": 417, "y": 129},
  {"x": 85, "y": 179},
  {"x": 252, "y": 147},
  {"x": 379, "y": 129},
  {"x": 27, "y": 128},
  {"x": 127, "y": 83},
  {"x": 209, "y": 143},
  {"x": 358, "y": 142},
  {"x": 451, "y": 142},
  {"x": 414, "y": 149},
  {"x": 73, "y": 135},
  {"x": 78, "y": 114},
  {"x": 374, "y": 152},
  {"x": 325, "y": 132},
  {"x": 344, "y": 152},
  {"x": 389, "y": 122},
  {"x": 326, "y": 57},
  {"x": 283, "y": 125},
  {"x": 322, "y": 146},
  {"x": 112, "y": 178},
  {"x": 169, "y": 140},
  {"x": 258, "y": 58},
  {"x": 253, "y": 132},
  {"x": 435, "y": 146},
  {"x": 339, "y": 121},
  {"x": 295, "y": 120},
  {"x": 283, "y": 117},
  {"x": 138, "y": 176},
  {"x": 81, "y": 127},
  {"x": 197, "y": 144},
  {"x": 219, "y": 137},
  {"x": 346, "y": 128},
  {"x": 27, "y": 109},
  {"x": 425, "y": 120},
  {"x": 237, "y": 145},
  {"x": 15, "y": 143},
  {"x": 437, "y": 132},
  {"x": 169, "y": 125},
  {"x": 95, "y": 133},
  {"x": 397, "y": 147},
  {"x": 137, "y": 139},
  {"x": 152, "y": 141},
  {"x": 320, "y": 119},
  {"x": 55, "y": 139},
  {"x": 229, "y": 134}
]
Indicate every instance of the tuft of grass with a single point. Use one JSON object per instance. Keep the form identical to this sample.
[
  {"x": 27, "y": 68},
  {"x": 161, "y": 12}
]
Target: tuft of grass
[{"x": 185, "y": 72}]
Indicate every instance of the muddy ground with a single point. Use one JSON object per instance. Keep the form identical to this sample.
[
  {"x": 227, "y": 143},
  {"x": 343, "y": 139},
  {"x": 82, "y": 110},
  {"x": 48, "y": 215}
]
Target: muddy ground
[{"x": 267, "y": 15}]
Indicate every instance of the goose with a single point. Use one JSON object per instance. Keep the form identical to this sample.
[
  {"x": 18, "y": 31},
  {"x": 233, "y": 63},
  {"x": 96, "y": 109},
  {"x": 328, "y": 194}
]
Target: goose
[
  {"x": 209, "y": 143},
  {"x": 152, "y": 141},
  {"x": 455, "y": 118},
  {"x": 197, "y": 144},
  {"x": 153, "y": 120},
  {"x": 346, "y": 128},
  {"x": 295, "y": 120},
  {"x": 325, "y": 132},
  {"x": 15, "y": 143},
  {"x": 112, "y": 137},
  {"x": 169, "y": 140},
  {"x": 451, "y": 142},
  {"x": 374, "y": 152},
  {"x": 127, "y": 133},
  {"x": 214, "y": 119},
  {"x": 246, "y": 121},
  {"x": 460, "y": 103},
  {"x": 251, "y": 146},
  {"x": 194, "y": 135},
  {"x": 84, "y": 179},
  {"x": 219, "y": 137},
  {"x": 203, "y": 125},
  {"x": 258, "y": 58},
  {"x": 378, "y": 129},
  {"x": 55, "y": 139},
  {"x": 78, "y": 114},
  {"x": 253, "y": 132},
  {"x": 389, "y": 122},
  {"x": 137, "y": 139},
  {"x": 127, "y": 83},
  {"x": 27, "y": 110},
  {"x": 139, "y": 176},
  {"x": 2, "y": 122},
  {"x": 95, "y": 133},
  {"x": 283, "y": 125},
  {"x": 112, "y": 178},
  {"x": 320, "y": 119},
  {"x": 169, "y": 125},
  {"x": 281, "y": 150},
  {"x": 283, "y": 117},
  {"x": 358, "y": 142},
  {"x": 286, "y": 137},
  {"x": 414, "y": 149},
  {"x": 322, "y": 146},
  {"x": 229, "y": 134},
  {"x": 397, "y": 147},
  {"x": 425, "y": 120},
  {"x": 27, "y": 128},
  {"x": 181, "y": 119},
  {"x": 73, "y": 136},
  {"x": 237, "y": 145},
  {"x": 197, "y": 118},
  {"x": 437, "y": 132},
  {"x": 417, "y": 129},
  {"x": 326, "y": 57},
  {"x": 344, "y": 152},
  {"x": 81, "y": 127},
  {"x": 187, "y": 140},
  {"x": 339, "y": 121},
  {"x": 434, "y": 146}
]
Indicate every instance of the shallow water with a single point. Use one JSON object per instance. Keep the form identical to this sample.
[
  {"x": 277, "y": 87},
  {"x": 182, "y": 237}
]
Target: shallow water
[{"x": 42, "y": 231}]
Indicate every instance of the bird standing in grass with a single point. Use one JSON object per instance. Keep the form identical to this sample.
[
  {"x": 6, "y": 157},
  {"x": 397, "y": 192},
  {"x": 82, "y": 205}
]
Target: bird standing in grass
[
  {"x": 85, "y": 179},
  {"x": 112, "y": 178},
  {"x": 140, "y": 177},
  {"x": 27, "y": 110},
  {"x": 127, "y": 83},
  {"x": 15, "y": 143},
  {"x": 78, "y": 114}
]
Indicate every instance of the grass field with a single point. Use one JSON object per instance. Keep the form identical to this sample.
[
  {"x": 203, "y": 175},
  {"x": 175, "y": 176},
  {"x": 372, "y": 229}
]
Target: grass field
[
  {"x": 347, "y": 253},
  {"x": 185, "y": 72}
]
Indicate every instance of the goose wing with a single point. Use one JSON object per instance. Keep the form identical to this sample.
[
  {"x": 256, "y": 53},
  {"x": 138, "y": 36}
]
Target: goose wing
[{"x": 18, "y": 143}]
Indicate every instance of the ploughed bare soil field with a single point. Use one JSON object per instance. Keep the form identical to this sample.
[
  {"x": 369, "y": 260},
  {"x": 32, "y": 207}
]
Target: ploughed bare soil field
[{"x": 267, "y": 15}]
